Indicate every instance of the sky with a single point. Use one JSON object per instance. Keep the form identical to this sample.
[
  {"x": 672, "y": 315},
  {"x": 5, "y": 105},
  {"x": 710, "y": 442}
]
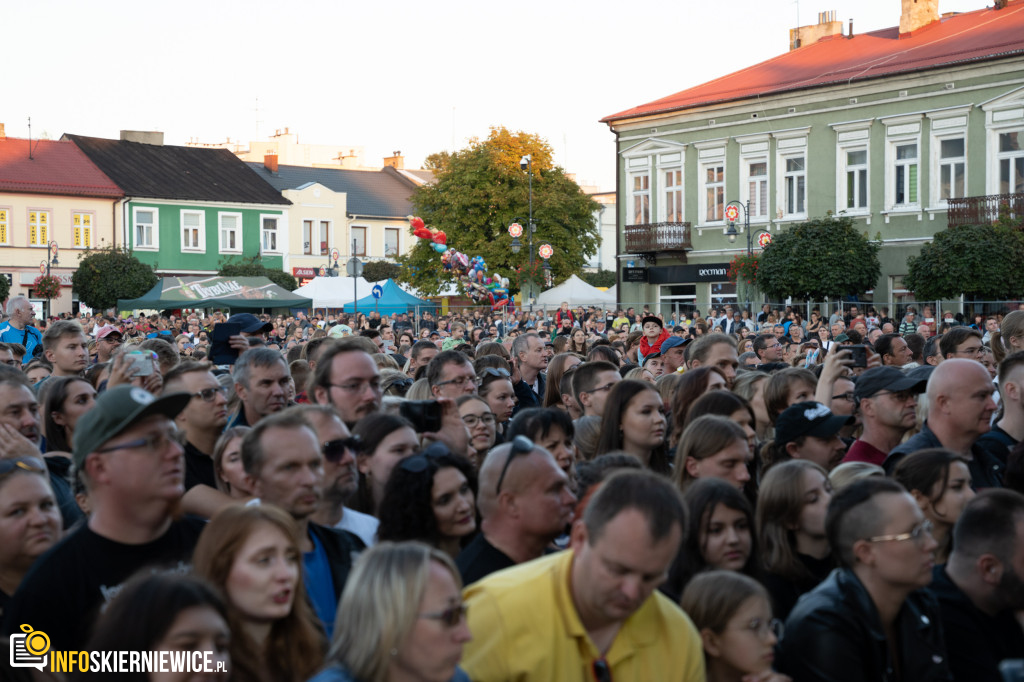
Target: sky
[{"x": 419, "y": 77}]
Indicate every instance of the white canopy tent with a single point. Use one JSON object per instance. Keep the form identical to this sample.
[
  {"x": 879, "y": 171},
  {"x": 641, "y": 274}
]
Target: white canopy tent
[
  {"x": 576, "y": 292},
  {"x": 335, "y": 292}
]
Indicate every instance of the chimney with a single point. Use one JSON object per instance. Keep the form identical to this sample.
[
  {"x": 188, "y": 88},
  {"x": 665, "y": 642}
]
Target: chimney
[
  {"x": 826, "y": 27},
  {"x": 917, "y": 14},
  {"x": 396, "y": 160},
  {"x": 3, "y": 133},
  {"x": 270, "y": 162},
  {"x": 144, "y": 136}
]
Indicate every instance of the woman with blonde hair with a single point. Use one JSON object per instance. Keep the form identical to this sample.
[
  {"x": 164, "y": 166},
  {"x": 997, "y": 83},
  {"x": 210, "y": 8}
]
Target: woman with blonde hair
[
  {"x": 1010, "y": 337},
  {"x": 254, "y": 556},
  {"x": 401, "y": 617}
]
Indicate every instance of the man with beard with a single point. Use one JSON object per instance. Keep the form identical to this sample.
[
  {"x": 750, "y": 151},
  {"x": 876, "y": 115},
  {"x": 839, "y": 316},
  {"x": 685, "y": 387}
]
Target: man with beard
[
  {"x": 982, "y": 585},
  {"x": 284, "y": 467},
  {"x": 347, "y": 379},
  {"x": 887, "y": 404}
]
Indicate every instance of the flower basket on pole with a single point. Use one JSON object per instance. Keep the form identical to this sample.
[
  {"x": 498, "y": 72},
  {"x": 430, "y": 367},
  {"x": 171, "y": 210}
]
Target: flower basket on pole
[
  {"x": 47, "y": 286},
  {"x": 743, "y": 273}
]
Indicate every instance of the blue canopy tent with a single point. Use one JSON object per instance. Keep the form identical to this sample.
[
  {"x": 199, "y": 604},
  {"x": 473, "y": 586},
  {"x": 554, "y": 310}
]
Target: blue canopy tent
[{"x": 392, "y": 300}]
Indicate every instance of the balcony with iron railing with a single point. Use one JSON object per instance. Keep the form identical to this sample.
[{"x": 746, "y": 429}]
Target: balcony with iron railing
[
  {"x": 655, "y": 237},
  {"x": 984, "y": 210}
]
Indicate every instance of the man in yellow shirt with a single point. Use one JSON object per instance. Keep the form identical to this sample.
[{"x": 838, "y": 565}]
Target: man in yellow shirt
[{"x": 592, "y": 613}]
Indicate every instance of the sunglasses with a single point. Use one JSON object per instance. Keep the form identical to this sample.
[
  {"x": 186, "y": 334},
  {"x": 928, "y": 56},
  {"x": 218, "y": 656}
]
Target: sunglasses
[
  {"x": 334, "y": 450},
  {"x": 417, "y": 464},
  {"x": 521, "y": 445},
  {"x": 451, "y": 616},
  {"x": 496, "y": 372},
  {"x": 208, "y": 394},
  {"x": 33, "y": 464}
]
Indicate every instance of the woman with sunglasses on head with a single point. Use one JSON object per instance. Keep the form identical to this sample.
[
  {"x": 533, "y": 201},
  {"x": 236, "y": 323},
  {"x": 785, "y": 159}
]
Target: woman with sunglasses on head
[
  {"x": 477, "y": 416},
  {"x": 634, "y": 421},
  {"x": 430, "y": 497},
  {"x": 550, "y": 429},
  {"x": 734, "y": 617},
  {"x": 253, "y": 556},
  {"x": 401, "y": 617},
  {"x": 30, "y": 522},
  {"x": 384, "y": 441}
]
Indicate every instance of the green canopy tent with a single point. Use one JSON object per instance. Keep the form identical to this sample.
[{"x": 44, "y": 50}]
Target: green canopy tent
[{"x": 237, "y": 293}]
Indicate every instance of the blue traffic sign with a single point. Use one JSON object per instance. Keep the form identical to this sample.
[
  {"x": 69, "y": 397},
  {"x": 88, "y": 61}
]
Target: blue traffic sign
[{"x": 377, "y": 291}]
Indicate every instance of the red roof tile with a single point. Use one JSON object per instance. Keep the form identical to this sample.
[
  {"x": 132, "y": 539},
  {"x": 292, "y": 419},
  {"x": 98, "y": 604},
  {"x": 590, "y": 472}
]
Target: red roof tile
[
  {"x": 56, "y": 167},
  {"x": 969, "y": 37}
]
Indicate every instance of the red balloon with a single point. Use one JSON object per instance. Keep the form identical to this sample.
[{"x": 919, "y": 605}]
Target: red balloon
[
  {"x": 423, "y": 233},
  {"x": 440, "y": 237},
  {"x": 416, "y": 222}
]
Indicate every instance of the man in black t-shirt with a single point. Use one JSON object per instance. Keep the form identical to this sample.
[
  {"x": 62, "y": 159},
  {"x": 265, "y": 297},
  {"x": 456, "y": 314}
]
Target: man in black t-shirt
[{"x": 133, "y": 470}]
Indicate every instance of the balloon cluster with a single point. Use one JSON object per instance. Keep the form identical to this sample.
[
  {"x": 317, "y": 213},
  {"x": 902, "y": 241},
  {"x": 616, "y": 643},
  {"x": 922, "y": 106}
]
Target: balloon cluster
[{"x": 472, "y": 272}]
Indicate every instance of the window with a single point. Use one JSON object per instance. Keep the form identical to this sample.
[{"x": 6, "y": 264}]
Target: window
[
  {"x": 791, "y": 164},
  {"x": 307, "y": 237},
  {"x": 857, "y": 179},
  {"x": 5, "y": 225},
  {"x": 757, "y": 189},
  {"x": 391, "y": 242},
  {"x": 358, "y": 241},
  {"x": 193, "y": 231},
  {"x": 38, "y": 228},
  {"x": 952, "y": 167},
  {"x": 795, "y": 180},
  {"x": 81, "y": 230},
  {"x": 714, "y": 192},
  {"x": 754, "y": 169},
  {"x": 230, "y": 232},
  {"x": 1011, "y": 162},
  {"x": 673, "y": 206},
  {"x": 947, "y": 156},
  {"x": 268, "y": 233},
  {"x": 146, "y": 233},
  {"x": 641, "y": 199},
  {"x": 905, "y": 174},
  {"x": 325, "y": 227}
]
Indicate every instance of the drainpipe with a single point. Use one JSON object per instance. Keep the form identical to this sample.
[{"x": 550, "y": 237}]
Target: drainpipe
[
  {"x": 124, "y": 222},
  {"x": 618, "y": 260}
]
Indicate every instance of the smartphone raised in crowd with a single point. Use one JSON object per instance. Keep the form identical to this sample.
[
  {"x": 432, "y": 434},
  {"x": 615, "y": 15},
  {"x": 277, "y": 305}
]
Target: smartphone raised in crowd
[
  {"x": 859, "y": 353},
  {"x": 424, "y": 415}
]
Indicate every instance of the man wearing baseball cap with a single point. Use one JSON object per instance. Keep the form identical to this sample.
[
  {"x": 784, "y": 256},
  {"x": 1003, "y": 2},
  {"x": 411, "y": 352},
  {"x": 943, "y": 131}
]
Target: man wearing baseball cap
[
  {"x": 673, "y": 351},
  {"x": 251, "y": 325},
  {"x": 809, "y": 431},
  {"x": 887, "y": 401},
  {"x": 108, "y": 340},
  {"x": 133, "y": 469}
]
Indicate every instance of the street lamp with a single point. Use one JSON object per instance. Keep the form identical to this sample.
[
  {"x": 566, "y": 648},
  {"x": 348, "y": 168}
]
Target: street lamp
[
  {"x": 526, "y": 164},
  {"x": 51, "y": 260},
  {"x": 731, "y": 214}
]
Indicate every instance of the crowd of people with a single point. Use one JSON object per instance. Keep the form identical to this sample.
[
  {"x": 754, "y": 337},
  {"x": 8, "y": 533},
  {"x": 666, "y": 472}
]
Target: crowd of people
[{"x": 585, "y": 495}]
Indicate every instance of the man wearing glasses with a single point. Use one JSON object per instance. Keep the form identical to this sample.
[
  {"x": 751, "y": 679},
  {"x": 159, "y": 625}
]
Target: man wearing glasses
[
  {"x": 886, "y": 400},
  {"x": 591, "y": 382},
  {"x": 593, "y": 607},
  {"x": 126, "y": 451},
  {"x": 870, "y": 617},
  {"x": 961, "y": 342},
  {"x": 347, "y": 379},
  {"x": 202, "y": 421},
  {"x": 450, "y": 375},
  {"x": 768, "y": 348}
]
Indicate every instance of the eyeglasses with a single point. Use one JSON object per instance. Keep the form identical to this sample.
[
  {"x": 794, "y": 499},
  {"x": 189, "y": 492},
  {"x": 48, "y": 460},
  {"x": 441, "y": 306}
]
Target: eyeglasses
[
  {"x": 496, "y": 372},
  {"x": 762, "y": 628},
  {"x": 472, "y": 420},
  {"x": 208, "y": 395},
  {"x": 919, "y": 534},
  {"x": 334, "y": 450},
  {"x": 461, "y": 381},
  {"x": 602, "y": 672},
  {"x": 606, "y": 387},
  {"x": 33, "y": 464},
  {"x": 451, "y": 616},
  {"x": 849, "y": 397},
  {"x": 521, "y": 445},
  {"x": 12, "y": 362},
  {"x": 110, "y": 338},
  {"x": 417, "y": 464},
  {"x": 156, "y": 442}
]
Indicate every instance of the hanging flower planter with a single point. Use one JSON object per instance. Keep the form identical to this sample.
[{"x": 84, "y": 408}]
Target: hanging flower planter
[{"x": 46, "y": 286}]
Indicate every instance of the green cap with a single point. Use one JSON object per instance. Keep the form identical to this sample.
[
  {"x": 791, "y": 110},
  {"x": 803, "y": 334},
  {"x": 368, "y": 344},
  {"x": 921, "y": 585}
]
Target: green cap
[{"x": 116, "y": 409}]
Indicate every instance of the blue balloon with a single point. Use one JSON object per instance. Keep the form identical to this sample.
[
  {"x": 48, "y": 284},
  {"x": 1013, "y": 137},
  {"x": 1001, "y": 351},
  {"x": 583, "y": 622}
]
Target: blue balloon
[{"x": 440, "y": 248}]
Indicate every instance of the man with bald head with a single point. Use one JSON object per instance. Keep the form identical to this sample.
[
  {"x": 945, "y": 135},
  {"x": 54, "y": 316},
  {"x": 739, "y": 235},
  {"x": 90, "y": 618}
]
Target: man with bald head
[
  {"x": 525, "y": 503},
  {"x": 960, "y": 408}
]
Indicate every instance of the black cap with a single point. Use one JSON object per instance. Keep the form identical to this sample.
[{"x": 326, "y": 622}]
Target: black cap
[
  {"x": 808, "y": 419},
  {"x": 887, "y": 378},
  {"x": 250, "y": 323},
  {"x": 652, "y": 318}
]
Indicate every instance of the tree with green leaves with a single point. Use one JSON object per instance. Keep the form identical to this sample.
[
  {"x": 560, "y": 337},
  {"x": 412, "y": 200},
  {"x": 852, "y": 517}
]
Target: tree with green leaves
[
  {"x": 107, "y": 274},
  {"x": 601, "y": 278},
  {"x": 5, "y": 288},
  {"x": 479, "y": 191},
  {"x": 377, "y": 270},
  {"x": 818, "y": 259},
  {"x": 252, "y": 267},
  {"x": 982, "y": 262}
]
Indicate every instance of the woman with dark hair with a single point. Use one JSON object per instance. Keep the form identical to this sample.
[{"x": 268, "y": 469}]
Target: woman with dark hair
[
  {"x": 384, "y": 440},
  {"x": 165, "y": 612},
  {"x": 430, "y": 497},
  {"x": 695, "y": 383},
  {"x": 551, "y": 429},
  {"x": 712, "y": 446},
  {"x": 791, "y": 507},
  {"x": 940, "y": 483},
  {"x": 558, "y": 366},
  {"x": 65, "y": 400},
  {"x": 253, "y": 555},
  {"x": 577, "y": 342},
  {"x": 492, "y": 348},
  {"x": 720, "y": 535},
  {"x": 634, "y": 421},
  {"x": 477, "y": 416},
  {"x": 228, "y": 471}
]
